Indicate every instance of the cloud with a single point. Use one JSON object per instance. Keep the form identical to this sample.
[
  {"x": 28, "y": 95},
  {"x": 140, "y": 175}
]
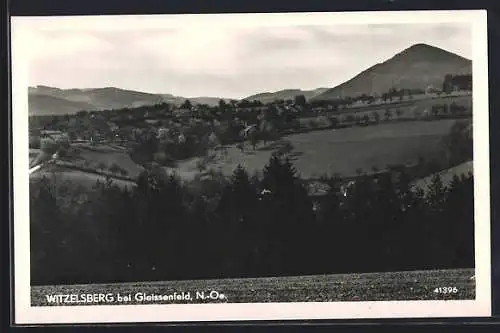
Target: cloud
[{"x": 218, "y": 60}]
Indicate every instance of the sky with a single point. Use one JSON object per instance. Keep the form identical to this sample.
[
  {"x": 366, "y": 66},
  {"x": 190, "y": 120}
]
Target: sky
[{"x": 223, "y": 61}]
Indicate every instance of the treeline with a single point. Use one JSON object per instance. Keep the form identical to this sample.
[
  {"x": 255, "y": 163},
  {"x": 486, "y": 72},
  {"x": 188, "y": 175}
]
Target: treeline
[
  {"x": 247, "y": 226},
  {"x": 457, "y": 82}
]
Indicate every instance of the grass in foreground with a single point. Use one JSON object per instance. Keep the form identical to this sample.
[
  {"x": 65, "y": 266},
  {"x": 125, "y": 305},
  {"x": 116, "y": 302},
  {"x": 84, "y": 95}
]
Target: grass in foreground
[{"x": 414, "y": 285}]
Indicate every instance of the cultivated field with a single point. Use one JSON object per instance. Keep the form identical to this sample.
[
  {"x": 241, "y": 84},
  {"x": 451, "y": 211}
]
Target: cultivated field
[
  {"x": 408, "y": 107},
  {"x": 416, "y": 285},
  {"x": 342, "y": 151},
  {"x": 106, "y": 155}
]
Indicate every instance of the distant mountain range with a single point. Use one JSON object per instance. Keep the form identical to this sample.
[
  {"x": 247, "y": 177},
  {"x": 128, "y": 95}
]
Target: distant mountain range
[
  {"x": 416, "y": 67},
  {"x": 45, "y": 100}
]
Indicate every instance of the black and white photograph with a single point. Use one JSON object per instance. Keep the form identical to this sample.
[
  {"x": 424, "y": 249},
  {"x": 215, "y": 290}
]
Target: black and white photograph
[{"x": 251, "y": 166}]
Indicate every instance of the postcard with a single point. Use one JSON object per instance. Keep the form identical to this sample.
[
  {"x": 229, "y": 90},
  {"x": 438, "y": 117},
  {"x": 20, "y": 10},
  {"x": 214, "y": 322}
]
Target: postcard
[{"x": 279, "y": 166}]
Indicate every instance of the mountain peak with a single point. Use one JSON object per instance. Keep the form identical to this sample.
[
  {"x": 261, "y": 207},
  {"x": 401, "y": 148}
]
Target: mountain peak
[
  {"x": 428, "y": 52},
  {"x": 415, "y": 67},
  {"x": 422, "y": 46}
]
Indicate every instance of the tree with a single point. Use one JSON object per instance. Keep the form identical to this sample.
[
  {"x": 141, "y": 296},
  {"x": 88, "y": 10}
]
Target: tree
[
  {"x": 47, "y": 234},
  {"x": 234, "y": 102},
  {"x": 102, "y": 166},
  {"x": 203, "y": 162},
  {"x": 436, "y": 194},
  {"x": 286, "y": 210},
  {"x": 187, "y": 104},
  {"x": 114, "y": 168},
  {"x": 435, "y": 110},
  {"x": 349, "y": 118},
  {"x": 160, "y": 222},
  {"x": 254, "y": 139},
  {"x": 387, "y": 114},
  {"x": 123, "y": 172},
  {"x": 237, "y": 210},
  {"x": 222, "y": 105},
  {"x": 334, "y": 121},
  {"x": 48, "y": 146},
  {"x": 447, "y": 84},
  {"x": 385, "y": 97},
  {"x": 286, "y": 148},
  {"x": 365, "y": 119},
  {"x": 242, "y": 104},
  {"x": 458, "y": 143},
  {"x": 300, "y": 100},
  {"x": 459, "y": 221}
]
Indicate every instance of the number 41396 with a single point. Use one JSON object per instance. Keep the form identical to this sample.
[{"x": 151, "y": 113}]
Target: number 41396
[{"x": 446, "y": 290}]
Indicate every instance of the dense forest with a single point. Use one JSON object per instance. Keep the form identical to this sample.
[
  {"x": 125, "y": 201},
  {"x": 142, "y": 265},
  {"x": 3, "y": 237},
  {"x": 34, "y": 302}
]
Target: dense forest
[{"x": 247, "y": 226}]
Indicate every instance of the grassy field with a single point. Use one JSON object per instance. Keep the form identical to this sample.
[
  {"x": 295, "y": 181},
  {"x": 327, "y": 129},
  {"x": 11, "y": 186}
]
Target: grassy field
[
  {"x": 408, "y": 108},
  {"x": 342, "y": 151},
  {"x": 106, "y": 155},
  {"x": 447, "y": 175},
  {"x": 92, "y": 158},
  {"x": 82, "y": 178},
  {"x": 414, "y": 285}
]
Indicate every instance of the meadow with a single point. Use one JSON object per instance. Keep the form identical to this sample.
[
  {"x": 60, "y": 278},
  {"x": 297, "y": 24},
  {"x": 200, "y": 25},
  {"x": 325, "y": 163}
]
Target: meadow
[
  {"x": 408, "y": 107},
  {"x": 447, "y": 175},
  {"x": 344, "y": 151},
  {"x": 385, "y": 286}
]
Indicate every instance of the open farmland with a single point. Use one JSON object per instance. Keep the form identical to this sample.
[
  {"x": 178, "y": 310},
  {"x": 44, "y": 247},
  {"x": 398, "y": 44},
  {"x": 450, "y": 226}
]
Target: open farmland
[
  {"x": 343, "y": 151},
  {"x": 82, "y": 178},
  {"x": 106, "y": 155},
  {"x": 390, "y": 286},
  {"x": 88, "y": 162},
  {"x": 408, "y": 109},
  {"x": 447, "y": 175}
]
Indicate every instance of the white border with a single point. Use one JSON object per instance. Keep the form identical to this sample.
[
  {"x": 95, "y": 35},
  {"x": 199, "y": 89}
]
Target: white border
[{"x": 25, "y": 314}]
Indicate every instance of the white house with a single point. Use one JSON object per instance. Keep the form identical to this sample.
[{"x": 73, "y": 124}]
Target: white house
[{"x": 248, "y": 130}]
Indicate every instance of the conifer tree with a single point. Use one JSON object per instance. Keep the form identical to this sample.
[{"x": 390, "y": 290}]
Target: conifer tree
[
  {"x": 287, "y": 211},
  {"x": 160, "y": 220},
  {"x": 47, "y": 237}
]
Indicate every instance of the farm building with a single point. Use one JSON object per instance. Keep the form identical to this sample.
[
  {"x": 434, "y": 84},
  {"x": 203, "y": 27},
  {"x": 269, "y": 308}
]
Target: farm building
[{"x": 182, "y": 113}]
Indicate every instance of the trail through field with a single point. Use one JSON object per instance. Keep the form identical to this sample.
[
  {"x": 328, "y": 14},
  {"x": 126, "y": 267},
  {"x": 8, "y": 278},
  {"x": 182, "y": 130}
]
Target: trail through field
[{"x": 453, "y": 284}]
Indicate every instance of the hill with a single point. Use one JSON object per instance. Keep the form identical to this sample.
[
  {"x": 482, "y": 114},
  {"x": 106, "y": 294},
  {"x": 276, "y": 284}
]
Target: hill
[
  {"x": 44, "y": 100},
  {"x": 416, "y": 67},
  {"x": 269, "y": 97},
  {"x": 50, "y": 105}
]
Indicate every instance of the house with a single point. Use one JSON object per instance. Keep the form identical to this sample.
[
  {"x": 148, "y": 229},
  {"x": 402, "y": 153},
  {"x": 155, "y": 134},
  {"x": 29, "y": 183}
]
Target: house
[
  {"x": 112, "y": 126},
  {"x": 181, "y": 138},
  {"x": 163, "y": 132},
  {"x": 431, "y": 90},
  {"x": 248, "y": 130},
  {"x": 152, "y": 121},
  {"x": 54, "y": 135},
  {"x": 212, "y": 138},
  {"x": 181, "y": 113}
]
